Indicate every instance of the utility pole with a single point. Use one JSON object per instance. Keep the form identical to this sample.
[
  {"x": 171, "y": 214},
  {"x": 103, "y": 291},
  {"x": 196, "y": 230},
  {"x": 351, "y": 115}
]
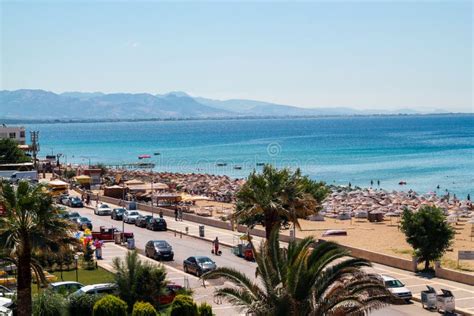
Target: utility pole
[{"x": 34, "y": 137}]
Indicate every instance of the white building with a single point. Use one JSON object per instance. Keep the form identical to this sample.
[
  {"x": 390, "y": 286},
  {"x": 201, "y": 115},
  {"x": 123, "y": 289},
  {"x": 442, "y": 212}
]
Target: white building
[{"x": 14, "y": 132}]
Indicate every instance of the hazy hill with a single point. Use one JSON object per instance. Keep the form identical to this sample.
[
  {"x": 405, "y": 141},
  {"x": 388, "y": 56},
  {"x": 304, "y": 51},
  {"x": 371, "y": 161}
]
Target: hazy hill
[{"x": 40, "y": 104}]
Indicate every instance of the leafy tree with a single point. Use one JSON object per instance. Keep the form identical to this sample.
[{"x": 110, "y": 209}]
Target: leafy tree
[
  {"x": 137, "y": 280},
  {"x": 80, "y": 305},
  {"x": 31, "y": 223},
  {"x": 144, "y": 309},
  {"x": 303, "y": 280},
  {"x": 10, "y": 153},
  {"x": 427, "y": 232},
  {"x": 275, "y": 197},
  {"x": 69, "y": 173},
  {"x": 183, "y": 305},
  {"x": 110, "y": 306},
  {"x": 49, "y": 303}
]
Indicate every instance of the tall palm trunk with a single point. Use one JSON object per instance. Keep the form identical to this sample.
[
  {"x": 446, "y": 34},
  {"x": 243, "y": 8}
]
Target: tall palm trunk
[
  {"x": 24, "y": 280},
  {"x": 271, "y": 221}
]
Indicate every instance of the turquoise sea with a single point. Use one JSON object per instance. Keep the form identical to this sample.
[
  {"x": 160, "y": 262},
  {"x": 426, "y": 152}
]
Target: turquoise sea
[{"x": 424, "y": 151}]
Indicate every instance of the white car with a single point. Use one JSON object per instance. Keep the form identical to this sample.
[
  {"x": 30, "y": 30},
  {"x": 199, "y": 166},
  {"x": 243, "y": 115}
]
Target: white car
[
  {"x": 130, "y": 217},
  {"x": 397, "y": 288},
  {"x": 102, "y": 288},
  {"x": 102, "y": 209},
  {"x": 5, "y": 303}
]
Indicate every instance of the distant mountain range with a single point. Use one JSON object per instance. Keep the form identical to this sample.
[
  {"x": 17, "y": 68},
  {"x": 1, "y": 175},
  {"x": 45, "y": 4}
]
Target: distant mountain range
[{"x": 45, "y": 105}]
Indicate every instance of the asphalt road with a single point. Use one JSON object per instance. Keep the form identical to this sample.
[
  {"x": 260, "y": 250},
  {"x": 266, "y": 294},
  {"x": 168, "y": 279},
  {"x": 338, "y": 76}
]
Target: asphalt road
[{"x": 186, "y": 246}]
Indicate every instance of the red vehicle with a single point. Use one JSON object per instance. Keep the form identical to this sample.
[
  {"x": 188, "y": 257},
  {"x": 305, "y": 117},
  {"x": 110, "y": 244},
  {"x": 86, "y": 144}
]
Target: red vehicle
[
  {"x": 170, "y": 292},
  {"x": 108, "y": 234}
]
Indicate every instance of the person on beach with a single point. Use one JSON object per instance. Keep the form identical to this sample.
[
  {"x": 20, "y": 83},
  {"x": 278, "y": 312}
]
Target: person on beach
[
  {"x": 378, "y": 183},
  {"x": 371, "y": 182},
  {"x": 176, "y": 214},
  {"x": 216, "y": 246}
]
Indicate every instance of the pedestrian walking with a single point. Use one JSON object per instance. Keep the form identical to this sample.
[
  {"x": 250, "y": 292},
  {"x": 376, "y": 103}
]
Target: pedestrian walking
[
  {"x": 216, "y": 246},
  {"x": 98, "y": 248},
  {"x": 161, "y": 214},
  {"x": 180, "y": 214},
  {"x": 176, "y": 214}
]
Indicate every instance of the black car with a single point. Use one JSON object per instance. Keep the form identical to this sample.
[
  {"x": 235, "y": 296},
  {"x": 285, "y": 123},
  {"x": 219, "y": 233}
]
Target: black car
[
  {"x": 143, "y": 220},
  {"x": 159, "y": 250},
  {"x": 83, "y": 223},
  {"x": 198, "y": 265},
  {"x": 117, "y": 213},
  {"x": 156, "y": 223},
  {"x": 74, "y": 201}
]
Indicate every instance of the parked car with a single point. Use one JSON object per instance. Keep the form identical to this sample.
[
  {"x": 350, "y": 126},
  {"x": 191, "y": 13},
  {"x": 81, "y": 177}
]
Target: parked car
[
  {"x": 159, "y": 250},
  {"x": 117, "y": 213},
  {"x": 102, "y": 288},
  {"x": 397, "y": 288},
  {"x": 72, "y": 216},
  {"x": 74, "y": 201},
  {"x": 6, "y": 292},
  {"x": 66, "y": 287},
  {"x": 102, "y": 209},
  {"x": 143, "y": 220},
  {"x": 156, "y": 223},
  {"x": 63, "y": 198},
  {"x": 169, "y": 293},
  {"x": 83, "y": 223},
  {"x": 198, "y": 265},
  {"x": 130, "y": 216},
  {"x": 6, "y": 306}
]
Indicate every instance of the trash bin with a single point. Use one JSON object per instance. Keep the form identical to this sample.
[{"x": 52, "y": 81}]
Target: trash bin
[
  {"x": 428, "y": 298},
  {"x": 445, "y": 301},
  {"x": 117, "y": 238},
  {"x": 201, "y": 230},
  {"x": 131, "y": 243}
]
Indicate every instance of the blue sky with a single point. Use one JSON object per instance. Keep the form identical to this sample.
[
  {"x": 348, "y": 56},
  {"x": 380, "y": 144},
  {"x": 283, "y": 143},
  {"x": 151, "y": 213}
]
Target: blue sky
[{"x": 379, "y": 54}]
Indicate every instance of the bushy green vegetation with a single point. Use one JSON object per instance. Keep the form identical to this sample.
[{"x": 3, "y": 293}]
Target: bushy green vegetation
[
  {"x": 110, "y": 305},
  {"x": 48, "y": 303},
  {"x": 427, "y": 232},
  {"x": 83, "y": 304},
  {"x": 183, "y": 305},
  {"x": 137, "y": 280},
  {"x": 205, "y": 309},
  {"x": 143, "y": 309},
  {"x": 10, "y": 153}
]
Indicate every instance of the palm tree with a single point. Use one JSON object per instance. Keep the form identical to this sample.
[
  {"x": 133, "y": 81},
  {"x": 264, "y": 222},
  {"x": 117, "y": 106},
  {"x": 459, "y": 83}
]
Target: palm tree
[
  {"x": 278, "y": 196},
  {"x": 137, "y": 280},
  {"x": 303, "y": 280},
  {"x": 31, "y": 223}
]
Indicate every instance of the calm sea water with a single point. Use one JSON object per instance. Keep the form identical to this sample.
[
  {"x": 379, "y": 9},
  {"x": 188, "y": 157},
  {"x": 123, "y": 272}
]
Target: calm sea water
[{"x": 424, "y": 151}]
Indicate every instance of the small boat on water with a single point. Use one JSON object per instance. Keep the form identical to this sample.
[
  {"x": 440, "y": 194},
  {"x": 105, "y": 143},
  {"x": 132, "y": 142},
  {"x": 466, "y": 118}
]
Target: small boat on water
[
  {"x": 237, "y": 167},
  {"x": 157, "y": 154},
  {"x": 144, "y": 156},
  {"x": 221, "y": 164},
  {"x": 402, "y": 182},
  {"x": 260, "y": 164}
]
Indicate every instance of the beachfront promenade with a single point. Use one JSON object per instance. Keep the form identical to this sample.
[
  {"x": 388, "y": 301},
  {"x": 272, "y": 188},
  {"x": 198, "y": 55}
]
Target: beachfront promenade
[{"x": 184, "y": 231}]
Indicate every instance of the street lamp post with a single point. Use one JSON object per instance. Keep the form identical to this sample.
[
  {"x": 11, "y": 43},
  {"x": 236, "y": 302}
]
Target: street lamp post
[{"x": 76, "y": 258}]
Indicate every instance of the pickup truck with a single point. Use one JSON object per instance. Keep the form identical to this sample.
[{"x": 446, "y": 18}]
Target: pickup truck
[{"x": 107, "y": 234}]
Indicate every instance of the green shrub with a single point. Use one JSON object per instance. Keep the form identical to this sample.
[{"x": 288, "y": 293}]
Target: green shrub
[
  {"x": 110, "y": 305},
  {"x": 48, "y": 303},
  {"x": 143, "y": 309},
  {"x": 205, "y": 309},
  {"x": 82, "y": 304},
  {"x": 183, "y": 305}
]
